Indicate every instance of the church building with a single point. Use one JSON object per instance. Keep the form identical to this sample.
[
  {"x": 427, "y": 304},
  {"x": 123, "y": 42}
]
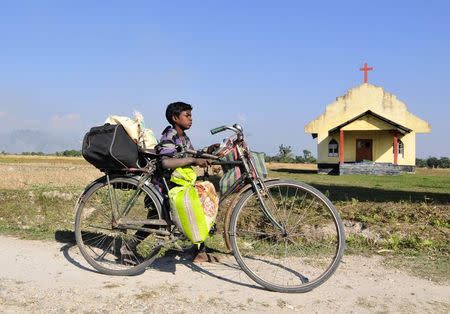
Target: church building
[{"x": 366, "y": 131}]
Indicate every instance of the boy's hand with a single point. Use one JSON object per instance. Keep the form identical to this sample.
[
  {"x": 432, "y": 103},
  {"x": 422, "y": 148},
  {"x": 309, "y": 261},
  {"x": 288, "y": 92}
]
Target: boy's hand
[{"x": 200, "y": 162}]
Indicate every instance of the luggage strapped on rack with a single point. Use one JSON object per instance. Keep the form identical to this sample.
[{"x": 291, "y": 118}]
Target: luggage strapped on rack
[
  {"x": 108, "y": 147},
  {"x": 115, "y": 145}
]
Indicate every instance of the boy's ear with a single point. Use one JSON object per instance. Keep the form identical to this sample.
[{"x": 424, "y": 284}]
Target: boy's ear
[{"x": 175, "y": 118}]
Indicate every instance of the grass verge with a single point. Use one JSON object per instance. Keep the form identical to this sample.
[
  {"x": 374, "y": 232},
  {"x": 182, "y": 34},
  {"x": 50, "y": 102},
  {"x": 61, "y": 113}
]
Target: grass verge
[{"x": 406, "y": 218}]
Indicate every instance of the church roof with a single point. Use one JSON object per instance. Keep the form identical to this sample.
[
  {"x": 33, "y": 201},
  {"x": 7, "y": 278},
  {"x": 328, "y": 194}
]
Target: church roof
[
  {"x": 397, "y": 126},
  {"x": 362, "y": 100}
]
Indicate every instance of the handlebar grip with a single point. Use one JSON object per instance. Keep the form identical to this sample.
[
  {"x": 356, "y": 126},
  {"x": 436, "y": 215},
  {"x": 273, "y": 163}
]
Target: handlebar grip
[{"x": 219, "y": 129}]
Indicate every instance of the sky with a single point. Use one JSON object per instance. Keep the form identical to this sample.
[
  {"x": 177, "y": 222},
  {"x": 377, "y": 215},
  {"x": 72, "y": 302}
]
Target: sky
[{"x": 271, "y": 66}]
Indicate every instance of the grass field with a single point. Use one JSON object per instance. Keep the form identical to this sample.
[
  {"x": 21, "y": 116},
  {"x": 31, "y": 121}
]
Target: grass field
[
  {"x": 406, "y": 217},
  {"x": 424, "y": 185}
]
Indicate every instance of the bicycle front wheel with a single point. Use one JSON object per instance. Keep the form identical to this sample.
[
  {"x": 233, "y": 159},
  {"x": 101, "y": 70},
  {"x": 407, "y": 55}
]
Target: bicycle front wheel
[
  {"x": 294, "y": 245},
  {"x": 115, "y": 226}
]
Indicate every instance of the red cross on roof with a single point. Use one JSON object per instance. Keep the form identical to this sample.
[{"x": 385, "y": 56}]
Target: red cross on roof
[{"x": 365, "y": 69}]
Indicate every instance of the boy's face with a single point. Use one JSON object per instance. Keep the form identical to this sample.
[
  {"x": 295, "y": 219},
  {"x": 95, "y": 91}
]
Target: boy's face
[{"x": 184, "y": 120}]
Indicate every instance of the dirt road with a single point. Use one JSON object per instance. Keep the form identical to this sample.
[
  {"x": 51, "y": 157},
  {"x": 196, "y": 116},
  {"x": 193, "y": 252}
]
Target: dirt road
[{"x": 50, "y": 277}]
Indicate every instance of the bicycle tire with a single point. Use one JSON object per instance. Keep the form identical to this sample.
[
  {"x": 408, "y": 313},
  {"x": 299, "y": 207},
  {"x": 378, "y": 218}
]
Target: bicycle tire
[
  {"x": 100, "y": 243},
  {"x": 229, "y": 211},
  {"x": 307, "y": 252}
]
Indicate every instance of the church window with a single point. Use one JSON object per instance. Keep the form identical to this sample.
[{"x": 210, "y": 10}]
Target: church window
[
  {"x": 400, "y": 149},
  {"x": 333, "y": 148}
]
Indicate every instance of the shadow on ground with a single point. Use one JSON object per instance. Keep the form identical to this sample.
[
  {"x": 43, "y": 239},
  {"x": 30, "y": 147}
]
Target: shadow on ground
[
  {"x": 65, "y": 236},
  {"x": 303, "y": 171},
  {"x": 347, "y": 192},
  {"x": 225, "y": 269}
]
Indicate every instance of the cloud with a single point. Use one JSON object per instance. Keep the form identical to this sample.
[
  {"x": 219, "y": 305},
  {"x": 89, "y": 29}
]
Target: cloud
[
  {"x": 65, "y": 121},
  {"x": 3, "y": 114},
  {"x": 26, "y": 140}
]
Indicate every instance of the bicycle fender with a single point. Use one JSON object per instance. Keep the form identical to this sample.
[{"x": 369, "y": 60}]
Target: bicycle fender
[
  {"x": 155, "y": 191},
  {"x": 87, "y": 188}
]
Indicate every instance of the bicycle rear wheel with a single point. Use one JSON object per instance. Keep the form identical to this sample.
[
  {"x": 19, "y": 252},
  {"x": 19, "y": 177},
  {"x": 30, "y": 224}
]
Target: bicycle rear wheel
[
  {"x": 300, "y": 255},
  {"x": 115, "y": 224}
]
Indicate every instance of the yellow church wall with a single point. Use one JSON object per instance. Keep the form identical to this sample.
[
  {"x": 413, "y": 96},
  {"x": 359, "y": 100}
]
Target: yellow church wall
[
  {"x": 382, "y": 151},
  {"x": 322, "y": 151},
  {"x": 355, "y": 102},
  {"x": 360, "y": 99},
  {"x": 409, "y": 142},
  {"x": 367, "y": 123}
]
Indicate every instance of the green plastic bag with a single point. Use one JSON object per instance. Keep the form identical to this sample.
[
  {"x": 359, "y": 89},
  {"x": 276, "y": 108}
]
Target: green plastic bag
[{"x": 188, "y": 211}]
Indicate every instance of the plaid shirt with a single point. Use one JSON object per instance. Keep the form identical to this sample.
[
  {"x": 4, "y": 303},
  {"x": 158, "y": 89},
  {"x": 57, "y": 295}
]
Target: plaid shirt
[{"x": 170, "y": 140}]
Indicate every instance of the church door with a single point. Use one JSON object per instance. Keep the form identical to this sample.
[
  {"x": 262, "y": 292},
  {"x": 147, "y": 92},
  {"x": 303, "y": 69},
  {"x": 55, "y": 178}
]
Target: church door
[{"x": 363, "y": 150}]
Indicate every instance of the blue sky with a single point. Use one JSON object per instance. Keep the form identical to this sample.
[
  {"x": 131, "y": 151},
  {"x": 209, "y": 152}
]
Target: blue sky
[{"x": 271, "y": 66}]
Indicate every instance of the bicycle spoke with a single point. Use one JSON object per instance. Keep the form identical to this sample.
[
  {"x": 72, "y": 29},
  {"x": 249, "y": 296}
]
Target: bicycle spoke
[
  {"x": 117, "y": 250},
  {"x": 302, "y": 218},
  {"x": 97, "y": 237},
  {"x": 258, "y": 233},
  {"x": 296, "y": 259},
  {"x": 274, "y": 207},
  {"x": 293, "y": 202},
  {"x": 285, "y": 204},
  {"x": 129, "y": 204},
  {"x": 102, "y": 256},
  {"x": 94, "y": 246},
  {"x": 115, "y": 209}
]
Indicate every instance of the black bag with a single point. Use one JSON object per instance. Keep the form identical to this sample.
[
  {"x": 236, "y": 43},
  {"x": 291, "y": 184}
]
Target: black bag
[{"x": 108, "y": 147}]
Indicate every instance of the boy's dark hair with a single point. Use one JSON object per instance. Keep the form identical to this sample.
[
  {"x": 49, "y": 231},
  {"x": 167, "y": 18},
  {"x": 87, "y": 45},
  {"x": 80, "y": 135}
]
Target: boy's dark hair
[{"x": 175, "y": 109}]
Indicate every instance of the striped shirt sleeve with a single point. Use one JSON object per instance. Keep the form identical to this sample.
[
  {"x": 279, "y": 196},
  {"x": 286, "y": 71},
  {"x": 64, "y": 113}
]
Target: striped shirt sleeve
[{"x": 170, "y": 140}]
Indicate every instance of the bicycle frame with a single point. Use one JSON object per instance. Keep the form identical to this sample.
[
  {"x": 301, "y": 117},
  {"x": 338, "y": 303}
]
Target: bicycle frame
[
  {"x": 146, "y": 174},
  {"x": 140, "y": 220},
  {"x": 249, "y": 176},
  {"x": 257, "y": 182}
]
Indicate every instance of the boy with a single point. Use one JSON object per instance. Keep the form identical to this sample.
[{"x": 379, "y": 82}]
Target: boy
[{"x": 179, "y": 115}]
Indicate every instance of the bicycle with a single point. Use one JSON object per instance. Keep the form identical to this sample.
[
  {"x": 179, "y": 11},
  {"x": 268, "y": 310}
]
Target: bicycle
[{"x": 285, "y": 235}]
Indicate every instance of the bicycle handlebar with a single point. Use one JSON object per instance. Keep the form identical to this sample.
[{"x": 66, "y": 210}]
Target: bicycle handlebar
[
  {"x": 219, "y": 129},
  {"x": 201, "y": 154},
  {"x": 235, "y": 128},
  {"x": 217, "y": 161}
]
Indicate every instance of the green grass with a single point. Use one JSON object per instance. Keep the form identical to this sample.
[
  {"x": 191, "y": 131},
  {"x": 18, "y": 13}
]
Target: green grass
[
  {"x": 18, "y": 159},
  {"x": 37, "y": 213},
  {"x": 425, "y": 180},
  {"x": 426, "y": 266},
  {"x": 406, "y": 217},
  {"x": 431, "y": 186}
]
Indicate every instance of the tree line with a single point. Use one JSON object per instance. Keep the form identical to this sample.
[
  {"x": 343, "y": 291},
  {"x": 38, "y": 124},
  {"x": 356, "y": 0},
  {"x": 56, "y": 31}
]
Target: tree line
[
  {"x": 65, "y": 153},
  {"x": 433, "y": 162},
  {"x": 286, "y": 155}
]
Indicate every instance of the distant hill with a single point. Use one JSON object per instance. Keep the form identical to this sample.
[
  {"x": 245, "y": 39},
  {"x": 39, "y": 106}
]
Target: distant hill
[{"x": 18, "y": 141}]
